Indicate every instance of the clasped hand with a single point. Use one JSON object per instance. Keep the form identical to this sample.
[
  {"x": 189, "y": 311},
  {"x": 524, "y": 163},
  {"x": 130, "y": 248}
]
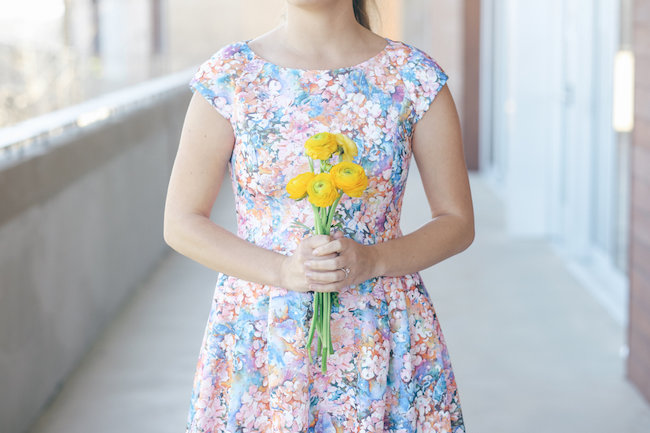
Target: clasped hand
[{"x": 318, "y": 261}]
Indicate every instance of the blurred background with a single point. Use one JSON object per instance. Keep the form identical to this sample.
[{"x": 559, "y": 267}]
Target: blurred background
[{"x": 546, "y": 315}]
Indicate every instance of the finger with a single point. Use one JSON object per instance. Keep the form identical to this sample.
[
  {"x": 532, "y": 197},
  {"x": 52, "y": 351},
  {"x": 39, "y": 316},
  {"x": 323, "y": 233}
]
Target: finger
[
  {"x": 326, "y": 288},
  {"x": 330, "y": 264},
  {"x": 322, "y": 256},
  {"x": 334, "y": 246},
  {"x": 318, "y": 240},
  {"x": 323, "y": 276}
]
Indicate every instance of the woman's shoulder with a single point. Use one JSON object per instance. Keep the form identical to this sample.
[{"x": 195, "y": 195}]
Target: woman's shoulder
[
  {"x": 216, "y": 78},
  {"x": 229, "y": 56},
  {"x": 420, "y": 73},
  {"x": 407, "y": 56}
]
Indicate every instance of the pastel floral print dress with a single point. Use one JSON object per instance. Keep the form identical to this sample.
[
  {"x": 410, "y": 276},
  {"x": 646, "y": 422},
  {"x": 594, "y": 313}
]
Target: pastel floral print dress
[{"x": 390, "y": 370}]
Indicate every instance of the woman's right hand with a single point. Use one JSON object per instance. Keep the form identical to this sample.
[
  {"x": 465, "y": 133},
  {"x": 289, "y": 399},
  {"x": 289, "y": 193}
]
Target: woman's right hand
[{"x": 293, "y": 267}]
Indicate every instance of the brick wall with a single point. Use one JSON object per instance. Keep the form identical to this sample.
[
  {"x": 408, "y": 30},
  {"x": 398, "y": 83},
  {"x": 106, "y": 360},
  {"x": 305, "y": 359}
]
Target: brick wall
[
  {"x": 638, "y": 364},
  {"x": 471, "y": 74}
]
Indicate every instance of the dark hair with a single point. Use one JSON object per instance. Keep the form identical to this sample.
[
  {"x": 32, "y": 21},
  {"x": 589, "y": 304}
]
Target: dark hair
[{"x": 361, "y": 13}]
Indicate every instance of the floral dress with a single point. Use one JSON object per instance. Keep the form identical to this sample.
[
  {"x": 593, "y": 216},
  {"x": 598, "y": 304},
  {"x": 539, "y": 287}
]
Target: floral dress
[{"x": 390, "y": 370}]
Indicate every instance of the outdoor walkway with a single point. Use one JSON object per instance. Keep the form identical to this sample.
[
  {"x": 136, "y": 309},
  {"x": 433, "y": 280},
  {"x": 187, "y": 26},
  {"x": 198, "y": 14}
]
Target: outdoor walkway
[{"x": 532, "y": 350}]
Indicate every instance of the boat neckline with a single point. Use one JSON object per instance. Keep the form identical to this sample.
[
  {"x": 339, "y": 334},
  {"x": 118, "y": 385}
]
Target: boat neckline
[{"x": 371, "y": 59}]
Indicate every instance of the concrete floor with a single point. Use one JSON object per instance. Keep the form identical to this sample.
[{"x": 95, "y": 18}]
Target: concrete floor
[{"x": 532, "y": 350}]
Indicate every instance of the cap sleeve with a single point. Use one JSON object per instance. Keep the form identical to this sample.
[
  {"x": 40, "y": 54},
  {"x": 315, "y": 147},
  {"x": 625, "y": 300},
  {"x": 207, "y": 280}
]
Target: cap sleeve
[
  {"x": 215, "y": 80},
  {"x": 425, "y": 78}
]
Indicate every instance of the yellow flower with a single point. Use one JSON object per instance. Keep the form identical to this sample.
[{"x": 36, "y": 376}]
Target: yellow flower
[
  {"x": 321, "y": 190},
  {"x": 346, "y": 147},
  {"x": 350, "y": 177},
  {"x": 297, "y": 187},
  {"x": 321, "y": 145}
]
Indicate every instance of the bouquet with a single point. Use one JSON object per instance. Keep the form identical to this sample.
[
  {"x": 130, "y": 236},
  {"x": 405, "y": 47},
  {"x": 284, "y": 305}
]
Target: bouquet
[{"x": 324, "y": 190}]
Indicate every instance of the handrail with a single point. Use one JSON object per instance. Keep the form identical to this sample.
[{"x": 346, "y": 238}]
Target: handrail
[{"x": 34, "y": 136}]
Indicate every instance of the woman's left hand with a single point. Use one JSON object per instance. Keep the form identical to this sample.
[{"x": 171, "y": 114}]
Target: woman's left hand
[{"x": 327, "y": 273}]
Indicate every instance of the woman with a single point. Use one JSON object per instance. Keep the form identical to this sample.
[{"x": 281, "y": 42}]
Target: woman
[{"x": 255, "y": 103}]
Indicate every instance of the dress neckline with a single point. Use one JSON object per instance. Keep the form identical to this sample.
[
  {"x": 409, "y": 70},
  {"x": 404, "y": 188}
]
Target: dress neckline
[{"x": 369, "y": 60}]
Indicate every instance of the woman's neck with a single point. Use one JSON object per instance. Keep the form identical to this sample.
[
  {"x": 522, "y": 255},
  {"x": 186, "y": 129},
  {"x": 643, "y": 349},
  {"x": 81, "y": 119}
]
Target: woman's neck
[
  {"x": 326, "y": 26},
  {"x": 319, "y": 36}
]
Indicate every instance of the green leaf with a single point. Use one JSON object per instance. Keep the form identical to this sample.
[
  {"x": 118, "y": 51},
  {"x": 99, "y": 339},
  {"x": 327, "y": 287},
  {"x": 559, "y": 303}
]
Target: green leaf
[{"x": 300, "y": 224}]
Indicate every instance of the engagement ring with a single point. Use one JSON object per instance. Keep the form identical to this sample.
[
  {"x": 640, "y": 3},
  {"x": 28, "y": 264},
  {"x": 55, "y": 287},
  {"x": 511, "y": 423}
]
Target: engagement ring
[{"x": 347, "y": 271}]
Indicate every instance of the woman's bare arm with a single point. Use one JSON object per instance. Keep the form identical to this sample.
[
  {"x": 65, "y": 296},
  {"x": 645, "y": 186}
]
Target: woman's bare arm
[
  {"x": 201, "y": 162},
  {"x": 438, "y": 150}
]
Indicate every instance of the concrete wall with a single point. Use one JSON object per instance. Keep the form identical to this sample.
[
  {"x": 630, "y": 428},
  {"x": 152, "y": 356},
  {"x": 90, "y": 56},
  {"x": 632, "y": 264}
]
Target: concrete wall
[{"x": 80, "y": 227}]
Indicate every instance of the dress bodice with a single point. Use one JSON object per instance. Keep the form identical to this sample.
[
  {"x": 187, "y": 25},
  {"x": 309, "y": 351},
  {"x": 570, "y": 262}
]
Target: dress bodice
[{"x": 274, "y": 109}]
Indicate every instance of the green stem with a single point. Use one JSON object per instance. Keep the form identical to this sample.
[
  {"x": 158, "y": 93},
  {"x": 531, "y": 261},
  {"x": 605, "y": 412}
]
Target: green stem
[
  {"x": 330, "y": 337},
  {"x": 317, "y": 223},
  {"x": 312, "y": 327},
  {"x": 319, "y": 323},
  {"x": 326, "y": 228},
  {"x": 319, "y": 217},
  {"x": 328, "y": 310},
  {"x": 325, "y": 350},
  {"x": 330, "y": 214}
]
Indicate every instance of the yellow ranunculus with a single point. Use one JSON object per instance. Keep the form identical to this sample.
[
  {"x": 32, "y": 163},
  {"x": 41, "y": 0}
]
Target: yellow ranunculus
[
  {"x": 321, "y": 145},
  {"x": 346, "y": 147},
  {"x": 297, "y": 187},
  {"x": 321, "y": 190},
  {"x": 350, "y": 177}
]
